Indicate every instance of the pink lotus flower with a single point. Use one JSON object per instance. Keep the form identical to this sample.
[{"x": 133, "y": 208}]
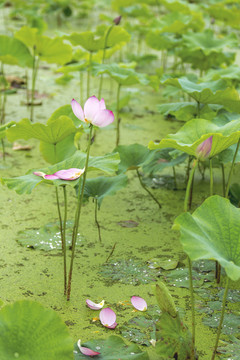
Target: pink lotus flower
[
  {"x": 94, "y": 112},
  {"x": 204, "y": 149},
  {"x": 86, "y": 351},
  {"x": 70, "y": 174},
  {"x": 139, "y": 303},
  {"x": 108, "y": 318},
  {"x": 93, "y": 305}
]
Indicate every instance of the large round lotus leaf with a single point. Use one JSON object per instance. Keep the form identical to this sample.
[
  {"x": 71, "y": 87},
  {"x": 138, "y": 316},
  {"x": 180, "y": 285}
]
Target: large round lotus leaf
[
  {"x": 89, "y": 40},
  {"x": 195, "y": 131},
  {"x": 132, "y": 156},
  {"x": 14, "y": 52},
  {"x": 212, "y": 232},
  {"x": 112, "y": 348},
  {"x": 29, "y": 331}
]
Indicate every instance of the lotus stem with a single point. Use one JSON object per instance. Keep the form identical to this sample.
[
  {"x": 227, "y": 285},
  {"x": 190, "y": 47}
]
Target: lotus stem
[
  {"x": 189, "y": 184},
  {"x": 4, "y": 98},
  {"x": 231, "y": 170},
  {"x": 223, "y": 179},
  {"x": 118, "y": 119},
  {"x": 146, "y": 189},
  {"x": 175, "y": 178},
  {"x": 221, "y": 319},
  {"x": 81, "y": 86},
  {"x": 192, "y": 308},
  {"x": 198, "y": 109},
  {"x": 211, "y": 177},
  {"x": 96, "y": 220},
  {"x": 103, "y": 59},
  {"x": 64, "y": 239},
  {"x": 77, "y": 215},
  {"x": 113, "y": 248},
  {"x": 34, "y": 77},
  {"x": 89, "y": 74}
]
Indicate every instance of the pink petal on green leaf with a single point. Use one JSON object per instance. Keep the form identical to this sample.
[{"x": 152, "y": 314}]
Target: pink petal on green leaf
[
  {"x": 86, "y": 351},
  {"x": 39, "y": 173},
  {"x": 112, "y": 326},
  {"x": 51, "y": 177},
  {"x": 69, "y": 174},
  {"x": 77, "y": 110},
  {"x": 103, "y": 118},
  {"x": 93, "y": 305},
  {"x": 91, "y": 108},
  {"x": 139, "y": 303},
  {"x": 107, "y": 317}
]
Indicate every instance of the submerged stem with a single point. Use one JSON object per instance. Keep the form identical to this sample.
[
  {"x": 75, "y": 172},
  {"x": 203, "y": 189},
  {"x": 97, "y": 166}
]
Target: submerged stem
[
  {"x": 146, "y": 189},
  {"x": 64, "y": 239},
  {"x": 77, "y": 215},
  {"x": 221, "y": 319},
  {"x": 96, "y": 220}
]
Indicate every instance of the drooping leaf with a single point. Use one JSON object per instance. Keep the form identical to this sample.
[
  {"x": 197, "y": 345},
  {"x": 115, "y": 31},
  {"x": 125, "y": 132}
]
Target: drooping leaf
[
  {"x": 173, "y": 338},
  {"x": 112, "y": 348},
  {"x": 195, "y": 131},
  {"x": 132, "y": 156},
  {"x": 25, "y": 184},
  {"x": 30, "y": 331},
  {"x": 165, "y": 300},
  {"x": 14, "y": 52},
  {"x": 160, "y": 159},
  {"x": 212, "y": 232},
  {"x": 4, "y": 127},
  {"x": 102, "y": 186}
]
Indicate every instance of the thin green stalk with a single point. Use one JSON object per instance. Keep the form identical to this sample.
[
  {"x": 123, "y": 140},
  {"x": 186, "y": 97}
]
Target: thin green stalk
[
  {"x": 81, "y": 86},
  {"x": 27, "y": 93},
  {"x": 103, "y": 59},
  {"x": 223, "y": 179},
  {"x": 175, "y": 177},
  {"x": 198, "y": 109},
  {"x": 118, "y": 118},
  {"x": 221, "y": 319},
  {"x": 146, "y": 189},
  {"x": 77, "y": 214},
  {"x": 192, "y": 307},
  {"x": 189, "y": 185},
  {"x": 3, "y": 150},
  {"x": 4, "y": 97},
  {"x": 89, "y": 74},
  {"x": 231, "y": 170},
  {"x": 96, "y": 220},
  {"x": 61, "y": 231},
  {"x": 211, "y": 177},
  {"x": 34, "y": 77},
  {"x": 64, "y": 239}
]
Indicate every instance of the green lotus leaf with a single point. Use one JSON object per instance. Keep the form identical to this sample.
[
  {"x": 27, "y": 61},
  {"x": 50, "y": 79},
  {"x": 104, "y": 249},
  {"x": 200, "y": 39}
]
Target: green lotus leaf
[
  {"x": 89, "y": 40},
  {"x": 231, "y": 72},
  {"x": 78, "y": 66},
  {"x": 212, "y": 232},
  {"x": 117, "y": 36},
  {"x": 54, "y": 153},
  {"x": 14, "y": 52},
  {"x": 102, "y": 186},
  {"x": 195, "y": 131},
  {"x": 122, "y": 75},
  {"x": 51, "y": 50},
  {"x": 25, "y": 184},
  {"x": 179, "y": 5},
  {"x": 173, "y": 338},
  {"x": 229, "y": 15},
  {"x": 185, "y": 111},
  {"x": 29, "y": 331},
  {"x": 4, "y": 127},
  {"x": 234, "y": 194},
  {"x": 132, "y": 156},
  {"x": 112, "y": 348},
  {"x": 65, "y": 110},
  {"x": 213, "y": 92},
  {"x": 159, "y": 41},
  {"x": 160, "y": 159},
  {"x": 175, "y": 22},
  {"x": 136, "y": 11},
  {"x": 165, "y": 300}
]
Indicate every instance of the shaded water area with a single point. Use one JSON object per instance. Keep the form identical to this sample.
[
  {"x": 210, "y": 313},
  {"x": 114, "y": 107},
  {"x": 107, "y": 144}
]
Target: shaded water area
[{"x": 134, "y": 229}]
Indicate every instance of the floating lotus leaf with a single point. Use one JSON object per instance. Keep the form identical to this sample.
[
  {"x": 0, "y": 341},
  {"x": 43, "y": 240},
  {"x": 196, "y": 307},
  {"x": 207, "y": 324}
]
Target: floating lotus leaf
[
  {"x": 29, "y": 331},
  {"x": 102, "y": 186},
  {"x": 48, "y": 49},
  {"x": 112, "y": 348},
  {"x": 122, "y": 75},
  {"x": 212, "y": 232},
  {"x": 25, "y": 184},
  {"x": 195, "y": 131},
  {"x": 132, "y": 156},
  {"x": 14, "y": 52}
]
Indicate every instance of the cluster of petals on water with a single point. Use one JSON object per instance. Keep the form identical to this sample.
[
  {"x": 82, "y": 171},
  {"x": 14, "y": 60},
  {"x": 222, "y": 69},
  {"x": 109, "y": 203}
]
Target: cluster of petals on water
[
  {"x": 108, "y": 318},
  {"x": 69, "y": 174}
]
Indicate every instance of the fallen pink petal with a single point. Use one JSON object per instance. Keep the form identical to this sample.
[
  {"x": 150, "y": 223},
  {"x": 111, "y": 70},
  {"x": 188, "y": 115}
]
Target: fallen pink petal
[
  {"x": 93, "y": 305},
  {"x": 107, "y": 317},
  {"x": 112, "y": 326},
  {"x": 94, "y": 112},
  {"x": 70, "y": 174},
  {"x": 86, "y": 351},
  {"x": 139, "y": 303}
]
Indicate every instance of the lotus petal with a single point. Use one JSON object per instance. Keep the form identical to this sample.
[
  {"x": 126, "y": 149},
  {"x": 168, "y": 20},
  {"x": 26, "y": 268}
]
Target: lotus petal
[
  {"x": 112, "y": 326},
  {"x": 51, "y": 177},
  {"x": 77, "y": 110},
  {"x": 39, "y": 173},
  {"x": 102, "y": 104},
  {"x": 91, "y": 108},
  {"x": 70, "y": 174},
  {"x": 93, "y": 305},
  {"x": 139, "y": 303},
  {"x": 86, "y": 351},
  {"x": 103, "y": 118},
  {"x": 204, "y": 149},
  {"x": 107, "y": 317}
]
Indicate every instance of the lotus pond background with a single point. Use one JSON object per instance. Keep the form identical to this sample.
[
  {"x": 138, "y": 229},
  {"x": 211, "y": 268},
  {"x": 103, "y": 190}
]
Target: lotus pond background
[{"x": 178, "y": 61}]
